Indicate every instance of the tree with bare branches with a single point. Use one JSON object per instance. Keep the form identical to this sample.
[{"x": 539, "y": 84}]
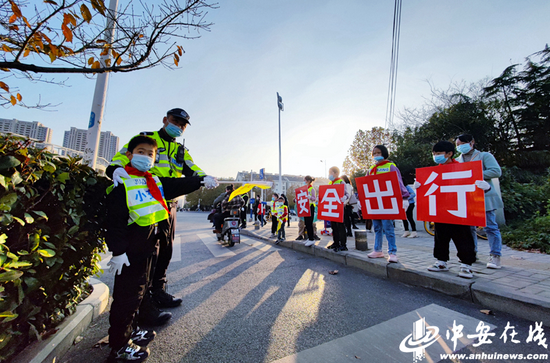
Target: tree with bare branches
[{"x": 64, "y": 37}]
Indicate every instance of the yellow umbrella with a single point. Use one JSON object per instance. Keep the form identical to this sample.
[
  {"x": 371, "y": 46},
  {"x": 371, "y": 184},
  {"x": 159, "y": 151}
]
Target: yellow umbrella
[{"x": 248, "y": 187}]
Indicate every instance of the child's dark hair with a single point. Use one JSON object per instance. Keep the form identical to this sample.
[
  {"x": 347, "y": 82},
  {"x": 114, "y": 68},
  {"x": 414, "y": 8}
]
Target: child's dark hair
[
  {"x": 276, "y": 195},
  {"x": 383, "y": 150},
  {"x": 345, "y": 179},
  {"x": 309, "y": 178},
  {"x": 445, "y": 146},
  {"x": 465, "y": 138},
  {"x": 138, "y": 140}
]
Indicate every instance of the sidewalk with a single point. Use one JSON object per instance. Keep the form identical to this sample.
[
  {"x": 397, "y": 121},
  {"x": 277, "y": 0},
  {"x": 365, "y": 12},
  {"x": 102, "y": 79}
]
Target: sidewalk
[{"x": 521, "y": 287}]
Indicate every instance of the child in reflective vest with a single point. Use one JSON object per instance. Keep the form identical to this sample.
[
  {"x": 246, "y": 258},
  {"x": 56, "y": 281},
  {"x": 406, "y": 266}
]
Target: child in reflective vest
[
  {"x": 133, "y": 212},
  {"x": 281, "y": 211}
]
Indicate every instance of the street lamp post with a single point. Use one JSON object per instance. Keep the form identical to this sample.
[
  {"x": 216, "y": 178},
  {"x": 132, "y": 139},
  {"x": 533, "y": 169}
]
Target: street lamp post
[
  {"x": 281, "y": 108},
  {"x": 325, "y": 167}
]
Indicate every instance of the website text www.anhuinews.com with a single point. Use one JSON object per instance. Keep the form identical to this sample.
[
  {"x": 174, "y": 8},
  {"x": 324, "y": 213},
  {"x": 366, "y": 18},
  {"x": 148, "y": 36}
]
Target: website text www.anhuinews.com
[{"x": 495, "y": 356}]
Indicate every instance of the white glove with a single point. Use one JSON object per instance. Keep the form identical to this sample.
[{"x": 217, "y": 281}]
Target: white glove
[
  {"x": 483, "y": 185},
  {"x": 417, "y": 185},
  {"x": 210, "y": 182},
  {"x": 343, "y": 199},
  {"x": 118, "y": 174},
  {"x": 117, "y": 263},
  {"x": 405, "y": 204}
]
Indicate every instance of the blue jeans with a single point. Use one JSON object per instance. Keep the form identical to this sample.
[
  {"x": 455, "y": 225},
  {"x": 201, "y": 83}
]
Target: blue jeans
[
  {"x": 382, "y": 227},
  {"x": 493, "y": 233}
]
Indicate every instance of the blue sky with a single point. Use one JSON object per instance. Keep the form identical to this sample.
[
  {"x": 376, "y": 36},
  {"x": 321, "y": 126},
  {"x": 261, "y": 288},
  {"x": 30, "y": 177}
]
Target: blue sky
[{"x": 330, "y": 62}]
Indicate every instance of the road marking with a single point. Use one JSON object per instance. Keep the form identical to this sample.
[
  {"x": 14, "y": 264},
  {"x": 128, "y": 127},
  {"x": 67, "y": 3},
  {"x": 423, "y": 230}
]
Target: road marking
[
  {"x": 215, "y": 247},
  {"x": 258, "y": 245},
  {"x": 382, "y": 342},
  {"x": 176, "y": 249}
]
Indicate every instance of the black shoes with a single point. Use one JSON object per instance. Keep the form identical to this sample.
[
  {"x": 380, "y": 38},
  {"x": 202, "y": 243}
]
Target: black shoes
[
  {"x": 299, "y": 238},
  {"x": 130, "y": 352},
  {"x": 343, "y": 248},
  {"x": 316, "y": 237},
  {"x": 349, "y": 234},
  {"x": 150, "y": 315},
  {"x": 164, "y": 300}
]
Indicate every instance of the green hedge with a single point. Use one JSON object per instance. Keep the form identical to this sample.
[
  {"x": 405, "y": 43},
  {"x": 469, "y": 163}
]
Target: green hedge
[{"x": 51, "y": 234}]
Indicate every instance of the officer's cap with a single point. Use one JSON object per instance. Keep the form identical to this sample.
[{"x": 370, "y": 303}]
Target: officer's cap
[{"x": 180, "y": 113}]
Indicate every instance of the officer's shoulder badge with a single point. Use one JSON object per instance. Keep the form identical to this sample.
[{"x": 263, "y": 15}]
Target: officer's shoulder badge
[{"x": 146, "y": 133}]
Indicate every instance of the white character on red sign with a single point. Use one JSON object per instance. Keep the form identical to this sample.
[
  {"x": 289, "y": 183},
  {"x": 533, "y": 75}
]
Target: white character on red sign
[
  {"x": 330, "y": 197},
  {"x": 460, "y": 190},
  {"x": 303, "y": 201},
  {"x": 379, "y": 194}
]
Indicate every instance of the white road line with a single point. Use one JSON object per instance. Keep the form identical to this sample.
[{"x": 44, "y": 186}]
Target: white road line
[
  {"x": 176, "y": 249},
  {"x": 214, "y": 246},
  {"x": 258, "y": 245},
  {"x": 384, "y": 342}
]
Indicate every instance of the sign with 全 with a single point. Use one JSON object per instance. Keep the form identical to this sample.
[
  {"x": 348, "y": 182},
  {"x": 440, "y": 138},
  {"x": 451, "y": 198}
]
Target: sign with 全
[
  {"x": 331, "y": 207},
  {"x": 380, "y": 196},
  {"x": 302, "y": 201},
  {"x": 448, "y": 194}
]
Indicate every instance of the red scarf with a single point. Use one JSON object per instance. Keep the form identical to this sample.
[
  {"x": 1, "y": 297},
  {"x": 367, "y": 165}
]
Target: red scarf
[
  {"x": 335, "y": 180},
  {"x": 151, "y": 184},
  {"x": 373, "y": 170}
]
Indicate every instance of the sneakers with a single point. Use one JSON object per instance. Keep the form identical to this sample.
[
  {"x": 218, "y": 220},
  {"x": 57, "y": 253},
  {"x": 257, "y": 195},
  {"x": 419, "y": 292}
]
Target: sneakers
[
  {"x": 406, "y": 234},
  {"x": 439, "y": 266},
  {"x": 393, "y": 258},
  {"x": 376, "y": 254},
  {"x": 343, "y": 248},
  {"x": 130, "y": 352},
  {"x": 413, "y": 235},
  {"x": 299, "y": 238},
  {"x": 272, "y": 235},
  {"x": 316, "y": 237},
  {"x": 278, "y": 241},
  {"x": 466, "y": 271},
  {"x": 494, "y": 262},
  {"x": 331, "y": 246},
  {"x": 164, "y": 300},
  {"x": 142, "y": 337},
  {"x": 310, "y": 243}
]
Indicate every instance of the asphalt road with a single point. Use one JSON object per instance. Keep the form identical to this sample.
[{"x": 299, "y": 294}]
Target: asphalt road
[{"x": 256, "y": 302}]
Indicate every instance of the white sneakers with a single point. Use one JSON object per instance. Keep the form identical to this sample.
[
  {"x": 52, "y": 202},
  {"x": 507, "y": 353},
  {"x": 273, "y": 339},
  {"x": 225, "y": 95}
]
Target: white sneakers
[
  {"x": 439, "y": 266},
  {"x": 413, "y": 235},
  {"x": 309, "y": 243},
  {"x": 409, "y": 234},
  {"x": 494, "y": 262},
  {"x": 465, "y": 271},
  {"x": 406, "y": 234}
]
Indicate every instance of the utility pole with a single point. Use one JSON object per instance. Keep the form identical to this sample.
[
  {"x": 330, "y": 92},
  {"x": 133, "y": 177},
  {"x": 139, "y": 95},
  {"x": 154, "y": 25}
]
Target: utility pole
[
  {"x": 100, "y": 94},
  {"x": 281, "y": 108}
]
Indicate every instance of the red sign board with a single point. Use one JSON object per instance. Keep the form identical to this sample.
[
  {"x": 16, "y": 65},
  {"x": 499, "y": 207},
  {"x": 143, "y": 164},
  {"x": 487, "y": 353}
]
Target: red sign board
[
  {"x": 380, "y": 196},
  {"x": 302, "y": 201},
  {"x": 331, "y": 207},
  {"x": 448, "y": 194}
]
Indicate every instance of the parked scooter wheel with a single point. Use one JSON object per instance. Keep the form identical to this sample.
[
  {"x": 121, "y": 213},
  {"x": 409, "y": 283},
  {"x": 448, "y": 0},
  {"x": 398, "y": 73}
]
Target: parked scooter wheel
[{"x": 230, "y": 242}]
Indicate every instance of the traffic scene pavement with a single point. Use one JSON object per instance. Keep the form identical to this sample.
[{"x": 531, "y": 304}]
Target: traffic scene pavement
[{"x": 261, "y": 302}]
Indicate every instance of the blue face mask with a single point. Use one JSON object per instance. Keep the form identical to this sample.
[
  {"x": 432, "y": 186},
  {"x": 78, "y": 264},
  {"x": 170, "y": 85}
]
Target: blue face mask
[
  {"x": 331, "y": 177},
  {"x": 464, "y": 148},
  {"x": 378, "y": 158},
  {"x": 173, "y": 131},
  {"x": 273, "y": 199},
  {"x": 440, "y": 159},
  {"x": 142, "y": 162}
]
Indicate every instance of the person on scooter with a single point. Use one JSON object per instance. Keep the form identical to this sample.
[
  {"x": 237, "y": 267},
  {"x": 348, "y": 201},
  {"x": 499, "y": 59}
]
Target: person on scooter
[{"x": 227, "y": 205}]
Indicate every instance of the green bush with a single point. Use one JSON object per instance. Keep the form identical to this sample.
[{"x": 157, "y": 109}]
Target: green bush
[
  {"x": 533, "y": 234},
  {"x": 51, "y": 234}
]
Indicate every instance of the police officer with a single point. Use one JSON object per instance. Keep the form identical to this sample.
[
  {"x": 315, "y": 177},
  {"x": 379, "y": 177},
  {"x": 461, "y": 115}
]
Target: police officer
[{"x": 172, "y": 160}]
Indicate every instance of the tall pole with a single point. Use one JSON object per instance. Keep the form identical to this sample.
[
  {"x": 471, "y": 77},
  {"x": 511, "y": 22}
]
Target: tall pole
[
  {"x": 280, "y": 106},
  {"x": 100, "y": 93}
]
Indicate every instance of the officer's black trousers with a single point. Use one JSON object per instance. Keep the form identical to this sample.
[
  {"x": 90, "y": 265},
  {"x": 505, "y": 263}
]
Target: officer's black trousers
[
  {"x": 339, "y": 234},
  {"x": 128, "y": 292},
  {"x": 167, "y": 233},
  {"x": 308, "y": 221}
]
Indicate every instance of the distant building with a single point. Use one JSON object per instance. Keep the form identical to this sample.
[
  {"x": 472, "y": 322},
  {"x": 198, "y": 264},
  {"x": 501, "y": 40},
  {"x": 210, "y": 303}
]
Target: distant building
[
  {"x": 76, "y": 139},
  {"x": 31, "y": 129},
  {"x": 288, "y": 180}
]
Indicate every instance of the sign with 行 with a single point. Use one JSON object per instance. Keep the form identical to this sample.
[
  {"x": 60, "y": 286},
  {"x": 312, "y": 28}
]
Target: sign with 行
[
  {"x": 380, "y": 196},
  {"x": 302, "y": 201},
  {"x": 448, "y": 194},
  {"x": 331, "y": 207}
]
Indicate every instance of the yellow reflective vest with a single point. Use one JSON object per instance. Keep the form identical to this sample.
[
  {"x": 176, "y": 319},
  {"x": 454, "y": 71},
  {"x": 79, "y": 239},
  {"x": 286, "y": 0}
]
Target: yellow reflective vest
[
  {"x": 166, "y": 164},
  {"x": 382, "y": 169},
  {"x": 309, "y": 194},
  {"x": 144, "y": 209}
]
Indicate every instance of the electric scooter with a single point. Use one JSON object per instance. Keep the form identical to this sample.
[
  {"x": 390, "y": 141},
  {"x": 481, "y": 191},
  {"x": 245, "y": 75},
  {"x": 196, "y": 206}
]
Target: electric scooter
[{"x": 231, "y": 229}]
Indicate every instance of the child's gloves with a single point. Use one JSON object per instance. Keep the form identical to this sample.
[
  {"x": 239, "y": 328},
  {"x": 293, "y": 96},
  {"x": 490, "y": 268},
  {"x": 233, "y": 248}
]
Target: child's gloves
[
  {"x": 117, "y": 263},
  {"x": 417, "y": 185},
  {"x": 483, "y": 185},
  {"x": 343, "y": 199},
  {"x": 118, "y": 175},
  {"x": 210, "y": 182},
  {"x": 405, "y": 204}
]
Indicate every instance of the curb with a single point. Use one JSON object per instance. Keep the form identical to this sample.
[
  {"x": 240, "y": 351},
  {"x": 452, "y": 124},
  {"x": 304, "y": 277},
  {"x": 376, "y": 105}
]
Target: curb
[
  {"x": 477, "y": 291},
  {"x": 51, "y": 349}
]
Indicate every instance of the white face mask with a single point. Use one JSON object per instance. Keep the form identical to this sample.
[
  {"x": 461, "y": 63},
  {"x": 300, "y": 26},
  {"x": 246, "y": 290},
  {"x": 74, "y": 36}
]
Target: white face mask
[{"x": 142, "y": 162}]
